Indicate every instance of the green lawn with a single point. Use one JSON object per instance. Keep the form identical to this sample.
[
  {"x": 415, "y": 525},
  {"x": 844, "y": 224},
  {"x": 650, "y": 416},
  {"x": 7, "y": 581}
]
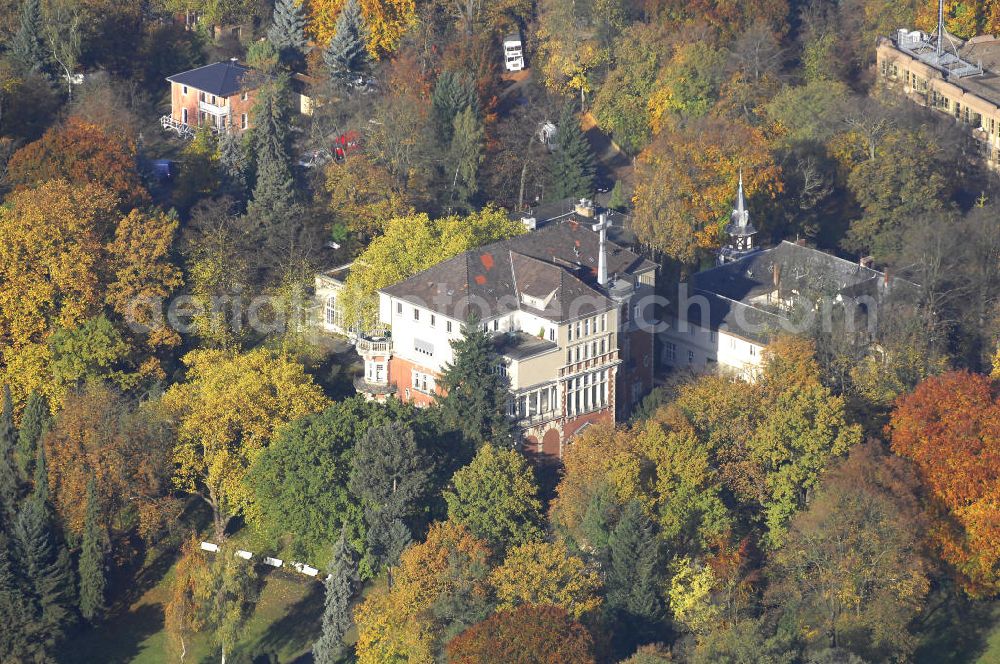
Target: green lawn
[{"x": 282, "y": 628}]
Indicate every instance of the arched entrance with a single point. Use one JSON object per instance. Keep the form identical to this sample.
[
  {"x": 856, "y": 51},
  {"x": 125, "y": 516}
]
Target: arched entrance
[{"x": 550, "y": 443}]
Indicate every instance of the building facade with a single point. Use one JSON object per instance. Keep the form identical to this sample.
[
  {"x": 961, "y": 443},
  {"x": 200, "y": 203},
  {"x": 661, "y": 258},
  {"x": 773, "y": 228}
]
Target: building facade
[
  {"x": 564, "y": 307},
  {"x": 219, "y": 96},
  {"x": 951, "y": 76},
  {"x": 724, "y": 318}
]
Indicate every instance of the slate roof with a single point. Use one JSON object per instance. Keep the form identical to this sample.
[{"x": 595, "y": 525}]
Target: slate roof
[
  {"x": 222, "y": 79},
  {"x": 488, "y": 281},
  {"x": 564, "y": 210},
  {"x": 727, "y": 290}
]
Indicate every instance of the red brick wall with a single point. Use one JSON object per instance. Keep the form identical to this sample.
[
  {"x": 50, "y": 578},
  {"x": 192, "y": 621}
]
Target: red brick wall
[
  {"x": 641, "y": 352},
  {"x": 237, "y": 106},
  {"x": 573, "y": 426},
  {"x": 400, "y": 373}
]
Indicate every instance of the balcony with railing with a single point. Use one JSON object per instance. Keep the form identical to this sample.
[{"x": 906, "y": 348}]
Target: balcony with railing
[
  {"x": 373, "y": 346},
  {"x": 212, "y": 109}
]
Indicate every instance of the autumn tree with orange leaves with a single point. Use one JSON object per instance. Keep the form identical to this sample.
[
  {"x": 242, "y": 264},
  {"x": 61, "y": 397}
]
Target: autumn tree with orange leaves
[
  {"x": 127, "y": 453},
  {"x": 81, "y": 153},
  {"x": 950, "y": 427},
  {"x": 438, "y": 584},
  {"x": 727, "y": 19},
  {"x": 529, "y": 633},
  {"x": 686, "y": 184}
]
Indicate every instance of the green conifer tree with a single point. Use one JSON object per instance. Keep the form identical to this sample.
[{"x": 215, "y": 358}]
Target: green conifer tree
[
  {"x": 339, "y": 586},
  {"x": 41, "y": 489},
  {"x": 288, "y": 31},
  {"x": 234, "y": 163},
  {"x": 16, "y": 633},
  {"x": 34, "y": 422},
  {"x": 347, "y": 54},
  {"x": 8, "y": 472},
  {"x": 635, "y": 577},
  {"x": 453, "y": 92},
  {"x": 28, "y": 45},
  {"x": 618, "y": 200},
  {"x": 45, "y": 565},
  {"x": 571, "y": 168},
  {"x": 274, "y": 190},
  {"x": 477, "y": 392},
  {"x": 390, "y": 475},
  {"x": 466, "y": 154},
  {"x": 92, "y": 553}
]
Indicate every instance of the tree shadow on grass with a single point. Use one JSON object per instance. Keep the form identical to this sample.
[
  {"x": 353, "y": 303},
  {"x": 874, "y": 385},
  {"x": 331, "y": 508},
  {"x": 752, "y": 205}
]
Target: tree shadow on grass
[
  {"x": 296, "y": 629},
  {"x": 115, "y": 642},
  {"x": 956, "y": 631}
]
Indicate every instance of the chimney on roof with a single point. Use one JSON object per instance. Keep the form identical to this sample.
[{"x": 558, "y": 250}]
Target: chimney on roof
[
  {"x": 776, "y": 271},
  {"x": 602, "y": 259},
  {"x": 585, "y": 208},
  {"x": 867, "y": 261}
]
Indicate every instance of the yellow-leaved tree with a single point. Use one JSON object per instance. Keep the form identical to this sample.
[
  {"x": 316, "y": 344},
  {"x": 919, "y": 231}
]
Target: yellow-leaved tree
[
  {"x": 67, "y": 256},
  {"x": 143, "y": 274},
  {"x": 397, "y": 623},
  {"x": 414, "y": 243},
  {"x": 227, "y": 410},
  {"x": 568, "y": 51},
  {"x": 387, "y": 21},
  {"x": 686, "y": 184},
  {"x": 544, "y": 573}
]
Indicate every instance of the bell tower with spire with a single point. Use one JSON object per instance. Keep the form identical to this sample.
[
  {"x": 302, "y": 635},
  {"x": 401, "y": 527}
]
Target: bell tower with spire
[{"x": 739, "y": 230}]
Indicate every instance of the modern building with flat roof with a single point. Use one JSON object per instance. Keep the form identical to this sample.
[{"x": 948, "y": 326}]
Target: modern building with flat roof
[{"x": 960, "y": 78}]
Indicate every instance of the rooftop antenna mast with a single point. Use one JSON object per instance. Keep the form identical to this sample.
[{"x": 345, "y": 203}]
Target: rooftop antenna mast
[{"x": 940, "y": 30}]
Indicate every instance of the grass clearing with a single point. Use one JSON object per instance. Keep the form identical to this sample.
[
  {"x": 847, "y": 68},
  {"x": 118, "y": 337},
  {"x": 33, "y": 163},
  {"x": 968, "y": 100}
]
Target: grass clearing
[{"x": 282, "y": 628}]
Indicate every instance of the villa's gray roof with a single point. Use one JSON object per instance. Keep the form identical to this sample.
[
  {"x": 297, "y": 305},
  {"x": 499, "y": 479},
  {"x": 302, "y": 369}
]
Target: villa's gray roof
[
  {"x": 222, "y": 79},
  {"x": 489, "y": 280},
  {"x": 805, "y": 274}
]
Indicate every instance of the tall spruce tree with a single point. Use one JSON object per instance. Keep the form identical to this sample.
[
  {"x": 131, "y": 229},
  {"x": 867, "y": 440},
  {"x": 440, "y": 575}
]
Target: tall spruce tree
[
  {"x": 92, "y": 558},
  {"x": 453, "y": 92},
  {"x": 635, "y": 577},
  {"x": 28, "y": 45},
  {"x": 347, "y": 54},
  {"x": 339, "y": 586},
  {"x": 234, "y": 162},
  {"x": 8, "y": 471},
  {"x": 17, "y": 632},
  {"x": 390, "y": 475},
  {"x": 466, "y": 154},
  {"x": 45, "y": 565},
  {"x": 571, "y": 168},
  {"x": 476, "y": 392},
  {"x": 273, "y": 216},
  {"x": 34, "y": 422},
  {"x": 40, "y": 493},
  {"x": 288, "y": 31}
]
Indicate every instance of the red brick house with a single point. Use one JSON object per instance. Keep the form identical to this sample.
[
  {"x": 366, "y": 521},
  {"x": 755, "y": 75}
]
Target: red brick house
[{"x": 219, "y": 95}]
